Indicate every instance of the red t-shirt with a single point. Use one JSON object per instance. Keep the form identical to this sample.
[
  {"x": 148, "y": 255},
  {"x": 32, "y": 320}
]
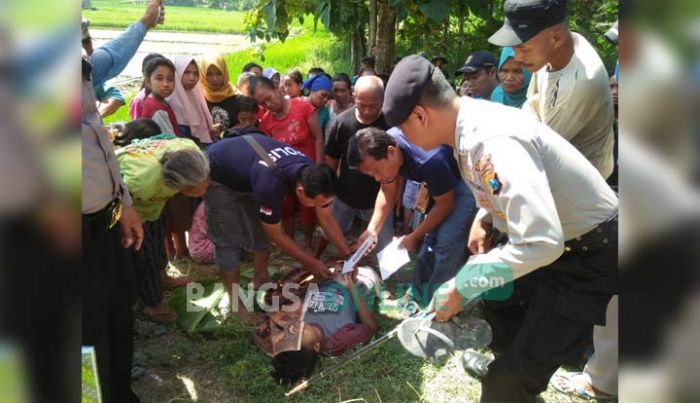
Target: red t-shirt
[
  {"x": 293, "y": 129},
  {"x": 152, "y": 105}
]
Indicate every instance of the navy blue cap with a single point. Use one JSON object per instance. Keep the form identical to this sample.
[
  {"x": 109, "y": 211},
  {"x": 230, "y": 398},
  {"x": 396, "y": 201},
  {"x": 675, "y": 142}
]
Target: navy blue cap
[
  {"x": 477, "y": 60},
  {"x": 527, "y": 18},
  {"x": 405, "y": 87}
]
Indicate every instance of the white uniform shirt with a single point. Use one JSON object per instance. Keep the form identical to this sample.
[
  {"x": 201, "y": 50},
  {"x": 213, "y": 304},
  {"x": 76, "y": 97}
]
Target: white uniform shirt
[
  {"x": 533, "y": 184},
  {"x": 575, "y": 102}
]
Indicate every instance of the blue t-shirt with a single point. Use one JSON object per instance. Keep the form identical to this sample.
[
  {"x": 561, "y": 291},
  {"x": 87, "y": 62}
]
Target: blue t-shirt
[
  {"x": 437, "y": 167},
  {"x": 234, "y": 163}
]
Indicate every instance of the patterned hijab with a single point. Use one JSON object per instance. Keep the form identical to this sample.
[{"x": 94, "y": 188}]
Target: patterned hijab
[{"x": 227, "y": 90}]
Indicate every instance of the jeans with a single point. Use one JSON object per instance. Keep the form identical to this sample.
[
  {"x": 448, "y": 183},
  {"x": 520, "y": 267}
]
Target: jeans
[
  {"x": 344, "y": 215},
  {"x": 444, "y": 249}
]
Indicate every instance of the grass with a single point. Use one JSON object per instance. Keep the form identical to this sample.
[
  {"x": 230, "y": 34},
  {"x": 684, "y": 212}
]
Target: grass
[
  {"x": 227, "y": 366},
  {"x": 120, "y": 14}
]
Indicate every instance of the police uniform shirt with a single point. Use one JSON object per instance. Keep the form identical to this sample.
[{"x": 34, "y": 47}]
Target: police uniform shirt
[
  {"x": 234, "y": 163},
  {"x": 532, "y": 183},
  {"x": 102, "y": 182}
]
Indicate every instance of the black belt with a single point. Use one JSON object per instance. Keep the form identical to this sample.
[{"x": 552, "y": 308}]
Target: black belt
[
  {"x": 100, "y": 220},
  {"x": 599, "y": 237}
]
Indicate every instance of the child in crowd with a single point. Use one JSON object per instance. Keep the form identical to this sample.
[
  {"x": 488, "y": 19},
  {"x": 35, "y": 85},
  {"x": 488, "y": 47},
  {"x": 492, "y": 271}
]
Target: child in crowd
[
  {"x": 220, "y": 94},
  {"x": 291, "y": 83},
  {"x": 201, "y": 247},
  {"x": 320, "y": 86},
  {"x": 159, "y": 80},
  {"x": 248, "y": 110},
  {"x": 189, "y": 104},
  {"x": 136, "y": 105}
]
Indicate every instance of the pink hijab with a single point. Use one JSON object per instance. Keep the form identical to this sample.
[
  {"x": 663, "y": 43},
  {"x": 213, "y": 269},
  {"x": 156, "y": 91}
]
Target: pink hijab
[{"x": 190, "y": 107}]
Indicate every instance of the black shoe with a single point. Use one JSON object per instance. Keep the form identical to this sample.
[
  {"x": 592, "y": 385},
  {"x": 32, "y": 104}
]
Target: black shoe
[{"x": 476, "y": 364}]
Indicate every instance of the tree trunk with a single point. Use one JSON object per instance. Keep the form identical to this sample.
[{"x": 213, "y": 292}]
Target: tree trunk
[
  {"x": 386, "y": 36},
  {"x": 372, "y": 40},
  {"x": 357, "y": 47}
]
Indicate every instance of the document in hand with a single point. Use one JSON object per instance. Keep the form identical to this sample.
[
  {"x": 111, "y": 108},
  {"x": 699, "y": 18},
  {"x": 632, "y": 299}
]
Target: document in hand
[{"x": 392, "y": 258}]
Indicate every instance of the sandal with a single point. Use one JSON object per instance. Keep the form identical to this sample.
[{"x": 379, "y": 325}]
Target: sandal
[{"x": 564, "y": 382}]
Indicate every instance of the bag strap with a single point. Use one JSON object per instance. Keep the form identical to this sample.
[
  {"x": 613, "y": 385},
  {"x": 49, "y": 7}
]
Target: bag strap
[{"x": 260, "y": 151}]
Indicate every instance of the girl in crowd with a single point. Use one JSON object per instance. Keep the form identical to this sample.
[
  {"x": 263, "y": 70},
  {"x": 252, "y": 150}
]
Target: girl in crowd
[
  {"x": 189, "y": 104},
  {"x": 220, "y": 94},
  {"x": 321, "y": 87},
  {"x": 136, "y": 105},
  {"x": 342, "y": 95},
  {"x": 159, "y": 80},
  {"x": 514, "y": 80},
  {"x": 160, "y": 84},
  {"x": 294, "y": 122},
  {"x": 155, "y": 169},
  {"x": 291, "y": 83}
]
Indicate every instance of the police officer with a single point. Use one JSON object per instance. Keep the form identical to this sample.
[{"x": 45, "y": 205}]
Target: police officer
[{"x": 546, "y": 286}]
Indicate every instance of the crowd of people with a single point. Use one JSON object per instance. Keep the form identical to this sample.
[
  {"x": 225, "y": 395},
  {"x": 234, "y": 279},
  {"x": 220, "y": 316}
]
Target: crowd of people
[{"x": 504, "y": 175}]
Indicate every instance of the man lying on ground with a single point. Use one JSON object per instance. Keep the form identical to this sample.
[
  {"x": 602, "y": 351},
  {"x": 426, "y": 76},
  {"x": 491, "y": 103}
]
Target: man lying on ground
[{"x": 332, "y": 317}]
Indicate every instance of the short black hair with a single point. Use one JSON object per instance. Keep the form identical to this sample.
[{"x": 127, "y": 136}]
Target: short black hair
[
  {"x": 256, "y": 81},
  {"x": 292, "y": 366},
  {"x": 247, "y": 104},
  {"x": 318, "y": 180},
  {"x": 250, "y": 66},
  {"x": 137, "y": 129},
  {"x": 343, "y": 77},
  {"x": 368, "y": 141},
  {"x": 296, "y": 76},
  {"x": 315, "y": 70}
]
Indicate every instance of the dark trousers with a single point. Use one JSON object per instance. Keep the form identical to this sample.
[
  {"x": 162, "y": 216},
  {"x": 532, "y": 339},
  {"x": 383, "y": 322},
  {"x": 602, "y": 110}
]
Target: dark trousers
[
  {"x": 547, "y": 322},
  {"x": 107, "y": 319},
  {"x": 151, "y": 260}
]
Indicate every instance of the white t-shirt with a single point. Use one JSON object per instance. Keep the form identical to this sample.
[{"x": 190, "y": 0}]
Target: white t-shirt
[{"x": 575, "y": 102}]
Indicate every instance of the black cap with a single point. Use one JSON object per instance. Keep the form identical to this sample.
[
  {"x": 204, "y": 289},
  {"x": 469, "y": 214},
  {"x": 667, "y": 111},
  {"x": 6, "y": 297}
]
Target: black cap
[
  {"x": 439, "y": 57},
  {"x": 405, "y": 87},
  {"x": 527, "y": 18},
  {"x": 477, "y": 60}
]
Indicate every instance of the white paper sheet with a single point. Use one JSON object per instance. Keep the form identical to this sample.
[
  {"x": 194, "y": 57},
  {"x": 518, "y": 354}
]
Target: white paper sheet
[
  {"x": 392, "y": 258},
  {"x": 349, "y": 264}
]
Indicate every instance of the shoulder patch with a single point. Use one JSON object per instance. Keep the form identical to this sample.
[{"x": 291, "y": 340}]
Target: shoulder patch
[{"x": 488, "y": 175}]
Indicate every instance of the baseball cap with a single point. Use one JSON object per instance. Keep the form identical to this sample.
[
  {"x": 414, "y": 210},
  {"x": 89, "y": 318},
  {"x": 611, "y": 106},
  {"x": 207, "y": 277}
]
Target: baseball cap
[
  {"x": 405, "y": 87},
  {"x": 527, "y": 18},
  {"x": 269, "y": 72},
  {"x": 477, "y": 60}
]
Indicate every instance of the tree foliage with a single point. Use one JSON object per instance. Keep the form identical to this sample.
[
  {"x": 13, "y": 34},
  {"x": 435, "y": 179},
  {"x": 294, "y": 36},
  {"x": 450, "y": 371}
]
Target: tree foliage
[{"x": 451, "y": 28}]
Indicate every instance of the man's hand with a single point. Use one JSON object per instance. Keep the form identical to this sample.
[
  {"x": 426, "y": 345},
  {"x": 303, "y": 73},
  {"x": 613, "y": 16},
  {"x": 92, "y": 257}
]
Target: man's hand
[
  {"x": 319, "y": 270},
  {"x": 150, "y": 19},
  {"x": 216, "y": 130},
  {"x": 346, "y": 280},
  {"x": 131, "y": 228},
  {"x": 362, "y": 238},
  {"x": 410, "y": 242},
  {"x": 447, "y": 302},
  {"x": 479, "y": 241}
]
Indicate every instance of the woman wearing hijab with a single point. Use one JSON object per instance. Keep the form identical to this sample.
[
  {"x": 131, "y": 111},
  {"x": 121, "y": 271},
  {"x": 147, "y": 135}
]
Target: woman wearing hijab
[
  {"x": 514, "y": 80},
  {"x": 320, "y": 87},
  {"x": 188, "y": 102},
  {"x": 222, "y": 97}
]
